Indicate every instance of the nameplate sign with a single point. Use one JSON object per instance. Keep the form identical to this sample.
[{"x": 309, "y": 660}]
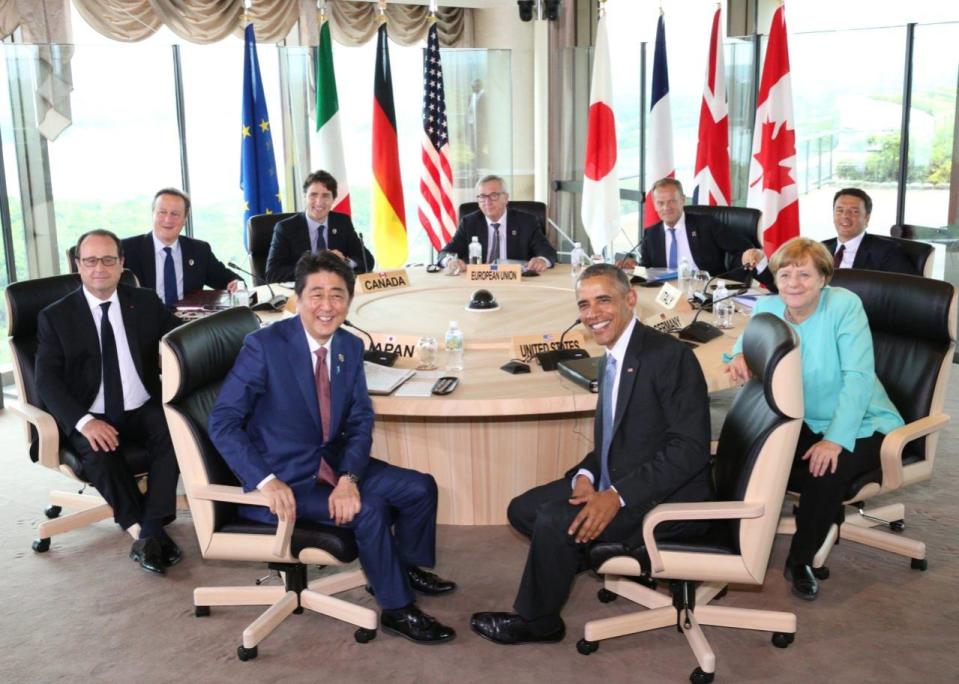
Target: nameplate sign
[
  {"x": 494, "y": 273},
  {"x": 385, "y": 280},
  {"x": 672, "y": 298},
  {"x": 403, "y": 345},
  {"x": 526, "y": 347},
  {"x": 663, "y": 322}
]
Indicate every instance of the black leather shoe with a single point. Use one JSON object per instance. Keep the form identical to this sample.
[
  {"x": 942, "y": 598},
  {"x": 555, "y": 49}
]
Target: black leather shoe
[
  {"x": 804, "y": 581},
  {"x": 429, "y": 583},
  {"x": 170, "y": 551},
  {"x": 148, "y": 553},
  {"x": 416, "y": 625},
  {"x": 510, "y": 628}
]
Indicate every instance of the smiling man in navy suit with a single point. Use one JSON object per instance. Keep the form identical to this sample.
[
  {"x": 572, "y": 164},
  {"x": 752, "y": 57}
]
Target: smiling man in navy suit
[
  {"x": 172, "y": 264},
  {"x": 295, "y": 421}
]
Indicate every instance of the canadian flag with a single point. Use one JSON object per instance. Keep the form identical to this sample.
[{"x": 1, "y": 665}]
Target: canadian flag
[
  {"x": 712, "y": 155},
  {"x": 661, "y": 164},
  {"x": 772, "y": 180},
  {"x": 600, "y": 209}
]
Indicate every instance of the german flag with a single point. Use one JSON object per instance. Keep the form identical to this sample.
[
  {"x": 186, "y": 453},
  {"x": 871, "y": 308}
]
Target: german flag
[{"x": 389, "y": 215}]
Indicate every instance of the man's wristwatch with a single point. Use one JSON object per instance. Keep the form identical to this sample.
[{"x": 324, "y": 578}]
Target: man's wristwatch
[{"x": 352, "y": 477}]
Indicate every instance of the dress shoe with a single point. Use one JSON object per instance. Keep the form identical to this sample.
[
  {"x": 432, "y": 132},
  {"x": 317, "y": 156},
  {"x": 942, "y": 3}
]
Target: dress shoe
[
  {"x": 415, "y": 625},
  {"x": 803, "y": 580},
  {"x": 429, "y": 583},
  {"x": 170, "y": 551},
  {"x": 510, "y": 628},
  {"x": 148, "y": 553}
]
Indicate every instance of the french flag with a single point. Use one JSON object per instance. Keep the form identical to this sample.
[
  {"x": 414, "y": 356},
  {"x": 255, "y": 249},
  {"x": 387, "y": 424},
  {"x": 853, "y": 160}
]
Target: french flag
[
  {"x": 660, "y": 125},
  {"x": 712, "y": 154}
]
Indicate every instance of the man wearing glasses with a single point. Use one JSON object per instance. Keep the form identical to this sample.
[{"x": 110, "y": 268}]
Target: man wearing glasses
[
  {"x": 98, "y": 373},
  {"x": 503, "y": 233}
]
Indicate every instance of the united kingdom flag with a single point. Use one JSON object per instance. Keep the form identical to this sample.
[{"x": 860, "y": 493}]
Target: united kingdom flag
[{"x": 712, "y": 155}]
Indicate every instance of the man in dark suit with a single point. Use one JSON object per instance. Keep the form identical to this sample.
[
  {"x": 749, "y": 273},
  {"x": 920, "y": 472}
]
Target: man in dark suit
[
  {"x": 295, "y": 421},
  {"x": 315, "y": 229},
  {"x": 503, "y": 233},
  {"x": 651, "y": 439},
  {"x": 172, "y": 264},
  {"x": 852, "y": 247},
  {"x": 98, "y": 373},
  {"x": 702, "y": 241}
]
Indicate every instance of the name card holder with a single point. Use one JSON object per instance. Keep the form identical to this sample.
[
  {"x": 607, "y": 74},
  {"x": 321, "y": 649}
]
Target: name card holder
[
  {"x": 494, "y": 273},
  {"x": 384, "y": 280},
  {"x": 404, "y": 346}
]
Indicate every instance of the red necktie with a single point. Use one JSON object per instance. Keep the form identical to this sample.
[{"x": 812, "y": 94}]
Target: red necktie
[
  {"x": 837, "y": 257},
  {"x": 325, "y": 473}
]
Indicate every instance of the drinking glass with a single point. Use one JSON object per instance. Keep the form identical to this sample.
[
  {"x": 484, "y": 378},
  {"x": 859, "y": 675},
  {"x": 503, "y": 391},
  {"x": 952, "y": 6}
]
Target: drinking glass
[{"x": 426, "y": 348}]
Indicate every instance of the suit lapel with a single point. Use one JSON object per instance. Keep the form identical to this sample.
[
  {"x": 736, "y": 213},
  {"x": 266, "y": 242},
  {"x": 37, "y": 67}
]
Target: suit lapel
[
  {"x": 693, "y": 237},
  {"x": 149, "y": 260},
  {"x": 302, "y": 365},
  {"x": 188, "y": 254},
  {"x": 130, "y": 313},
  {"x": 341, "y": 374},
  {"x": 627, "y": 374},
  {"x": 482, "y": 234},
  {"x": 863, "y": 254},
  {"x": 658, "y": 236},
  {"x": 513, "y": 243},
  {"x": 86, "y": 328}
]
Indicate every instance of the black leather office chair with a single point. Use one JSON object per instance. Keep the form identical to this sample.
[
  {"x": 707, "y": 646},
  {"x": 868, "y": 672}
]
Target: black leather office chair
[
  {"x": 196, "y": 358},
  {"x": 72, "y": 259},
  {"x": 750, "y": 471},
  {"x": 47, "y": 446},
  {"x": 913, "y": 324},
  {"x": 922, "y": 255},
  {"x": 742, "y": 220},
  {"x": 537, "y": 209},
  {"x": 259, "y": 234}
]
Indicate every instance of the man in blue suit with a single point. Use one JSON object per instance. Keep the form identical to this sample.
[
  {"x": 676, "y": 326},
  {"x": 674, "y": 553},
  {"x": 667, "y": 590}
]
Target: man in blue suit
[{"x": 295, "y": 421}]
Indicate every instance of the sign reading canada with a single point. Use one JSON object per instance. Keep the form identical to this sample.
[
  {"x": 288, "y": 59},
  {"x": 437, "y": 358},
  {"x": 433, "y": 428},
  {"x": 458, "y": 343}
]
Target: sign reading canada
[
  {"x": 494, "y": 273},
  {"x": 526, "y": 347},
  {"x": 386, "y": 280}
]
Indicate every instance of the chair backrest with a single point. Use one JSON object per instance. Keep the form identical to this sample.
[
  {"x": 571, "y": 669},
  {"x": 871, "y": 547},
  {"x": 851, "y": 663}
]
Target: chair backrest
[
  {"x": 537, "y": 209},
  {"x": 196, "y": 358},
  {"x": 259, "y": 234},
  {"x": 759, "y": 435},
  {"x": 742, "y": 220},
  {"x": 920, "y": 254},
  {"x": 72, "y": 258},
  {"x": 913, "y": 324}
]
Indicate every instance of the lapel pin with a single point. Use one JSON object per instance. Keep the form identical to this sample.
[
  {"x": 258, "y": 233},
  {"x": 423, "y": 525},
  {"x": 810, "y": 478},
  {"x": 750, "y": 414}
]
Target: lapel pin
[
  {"x": 340, "y": 358},
  {"x": 513, "y": 232},
  {"x": 333, "y": 230},
  {"x": 694, "y": 233},
  {"x": 629, "y": 370},
  {"x": 190, "y": 262}
]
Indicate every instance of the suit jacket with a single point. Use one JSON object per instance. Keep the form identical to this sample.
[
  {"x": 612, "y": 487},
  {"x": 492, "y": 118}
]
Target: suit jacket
[
  {"x": 267, "y": 417},
  {"x": 291, "y": 238},
  {"x": 660, "y": 447},
  {"x": 525, "y": 238},
  {"x": 68, "y": 364},
  {"x": 709, "y": 242},
  {"x": 200, "y": 265}
]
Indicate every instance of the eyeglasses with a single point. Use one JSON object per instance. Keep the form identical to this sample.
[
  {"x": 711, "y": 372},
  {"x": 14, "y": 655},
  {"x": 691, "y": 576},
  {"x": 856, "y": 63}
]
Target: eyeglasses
[
  {"x": 91, "y": 262},
  {"x": 492, "y": 197}
]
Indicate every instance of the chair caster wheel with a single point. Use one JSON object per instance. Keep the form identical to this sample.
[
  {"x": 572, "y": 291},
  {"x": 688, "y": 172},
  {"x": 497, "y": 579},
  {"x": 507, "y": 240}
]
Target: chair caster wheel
[
  {"x": 245, "y": 654},
  {"x": 783, "y": 639},
  {"x": 41, "y": 545},
  {"x": 363, "y": 635},
  {"x": 897, "y": 525},
  {"x": 201, "y": 611},
  {"x": 298, "y": 610},
  {"x": 821, "y": 573},
  {"x": 586, "y": 647},
  {"x": 721, "y": 594},
  {"x": 916, "y": 563},
  {"x": 606, "y": 596},
  {"x": 700, "y": 677},
  {"x": 52, "y": 511}
]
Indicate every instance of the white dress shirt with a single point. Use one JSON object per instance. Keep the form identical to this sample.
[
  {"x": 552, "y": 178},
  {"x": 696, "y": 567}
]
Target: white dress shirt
[
  {"x": 160, "y": 256},
  {"x": 852, "y": 247},
  {"x": 314, "y": 228},
  {"x": 678, "y": 233}
]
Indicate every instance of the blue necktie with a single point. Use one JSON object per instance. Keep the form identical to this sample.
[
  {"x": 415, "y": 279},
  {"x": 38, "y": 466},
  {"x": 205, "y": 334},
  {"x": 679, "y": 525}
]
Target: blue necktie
[
  {"x": 673, "y": 251},
  {"x": 110, "y": 360},
  {"x": 609, "y": 378},
  {"x": 320, "y": 242},
  {"x": 170, "y": 296}
]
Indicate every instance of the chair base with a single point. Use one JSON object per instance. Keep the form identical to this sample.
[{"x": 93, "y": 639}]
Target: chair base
[
  {"x": 293, "y": 597},
  {"x": 90, "y": 509},
  {"x": 663, "y": 613}
]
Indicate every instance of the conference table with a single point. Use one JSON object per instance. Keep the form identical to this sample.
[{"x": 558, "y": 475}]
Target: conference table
[{"x": 497, "y": 434}]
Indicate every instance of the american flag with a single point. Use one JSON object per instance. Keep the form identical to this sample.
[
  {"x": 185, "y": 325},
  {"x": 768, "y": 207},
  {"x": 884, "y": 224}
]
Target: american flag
[{"x": 436, "y": 212}]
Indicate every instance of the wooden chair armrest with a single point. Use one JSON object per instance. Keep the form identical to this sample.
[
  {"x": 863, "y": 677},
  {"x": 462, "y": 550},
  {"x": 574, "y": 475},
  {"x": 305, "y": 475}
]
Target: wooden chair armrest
[
  {"x": 231, "y": 494},
  {"x": 890, "y": 453},
  {"x": 705, "y": 510},
  {"x": 48, "y": 450}
]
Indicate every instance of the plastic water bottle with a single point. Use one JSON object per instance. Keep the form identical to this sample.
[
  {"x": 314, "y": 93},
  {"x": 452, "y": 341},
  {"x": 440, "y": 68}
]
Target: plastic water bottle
[
  {"x": 684, "y": 274},
  {"x": 723, "y": 307},
  {"x": 577, "y": 259},
  {"x": 476, "y": 251},
  {"x": 454, "y": 347}
]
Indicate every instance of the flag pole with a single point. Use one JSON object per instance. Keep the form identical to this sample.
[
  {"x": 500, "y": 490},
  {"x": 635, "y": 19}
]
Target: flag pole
[{"x": 247, "y": 6}]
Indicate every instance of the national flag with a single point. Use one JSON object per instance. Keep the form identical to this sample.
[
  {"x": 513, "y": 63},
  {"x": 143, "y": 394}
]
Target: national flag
[
  {"x": 331, "y": 156},
  {"x": 712, "y": 154},
  {"x": 261, "y": 189},
  {"x": 436, "y": 212},
  {"x": 600, "y": 210},
  {"x": 772, "y": 182},
  {"x": 389, "y": 215},
  {"x": 660, "y": 125}
]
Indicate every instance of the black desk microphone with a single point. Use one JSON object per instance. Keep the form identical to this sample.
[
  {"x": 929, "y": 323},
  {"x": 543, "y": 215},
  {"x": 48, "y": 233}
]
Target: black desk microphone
[
  {"x": 276, "y": 302},
  {"x": 378, "y": 356},
  {"x": 549, "y": 360}
]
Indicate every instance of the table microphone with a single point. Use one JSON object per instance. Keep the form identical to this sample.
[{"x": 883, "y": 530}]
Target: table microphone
[
  {"x": 700, "y": 331},
  {"x": 276, "y": 302},
  {"x": 705, "y": 299},
  {"x": 377, "y": 356},
  {"x": 549, "y": 360}
]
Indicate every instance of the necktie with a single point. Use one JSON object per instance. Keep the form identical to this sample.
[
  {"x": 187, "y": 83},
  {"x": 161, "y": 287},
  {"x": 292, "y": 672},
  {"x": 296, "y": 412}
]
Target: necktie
[
  {"x": 673, "y": 251},
  {"x": 320, "y": 241},
  {"x": 837, "y": 257},
  {"x": 494, "y": 248},
  {"x": 170, "y": 296},
  {"x": 112, "y": 384},
  {"x": 609, "y": 378},
  {"x": 325, "y": 473}
]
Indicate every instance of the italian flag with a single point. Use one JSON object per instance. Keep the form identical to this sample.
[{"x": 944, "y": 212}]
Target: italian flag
[{"x": 328, "y": 120}]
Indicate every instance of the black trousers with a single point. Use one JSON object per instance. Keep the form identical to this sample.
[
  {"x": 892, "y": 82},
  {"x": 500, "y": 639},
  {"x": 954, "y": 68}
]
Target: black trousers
[
  {"x": 110, "y": 474},
  {"x": 822, "y": 497}
]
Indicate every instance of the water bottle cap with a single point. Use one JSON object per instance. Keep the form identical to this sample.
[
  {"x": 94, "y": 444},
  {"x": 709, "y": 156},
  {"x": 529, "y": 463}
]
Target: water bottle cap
[
  {"x": 474, "y": 239},
  {"x": 577, "y": 245},
  {"x": 454, "y": 324}
]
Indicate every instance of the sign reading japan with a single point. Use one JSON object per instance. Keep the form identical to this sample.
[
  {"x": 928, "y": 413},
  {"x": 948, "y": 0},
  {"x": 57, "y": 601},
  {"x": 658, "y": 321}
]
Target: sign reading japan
[
  {"x": 492, "y": 273},
  {"x": 526, "y": 347},
  {"x": 403, "y": 345},
  {"x": 385, "y": 280}
]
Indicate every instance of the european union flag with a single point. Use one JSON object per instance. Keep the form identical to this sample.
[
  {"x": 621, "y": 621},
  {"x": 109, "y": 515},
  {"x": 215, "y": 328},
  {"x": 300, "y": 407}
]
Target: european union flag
[{"x": 261, "y": 190}]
